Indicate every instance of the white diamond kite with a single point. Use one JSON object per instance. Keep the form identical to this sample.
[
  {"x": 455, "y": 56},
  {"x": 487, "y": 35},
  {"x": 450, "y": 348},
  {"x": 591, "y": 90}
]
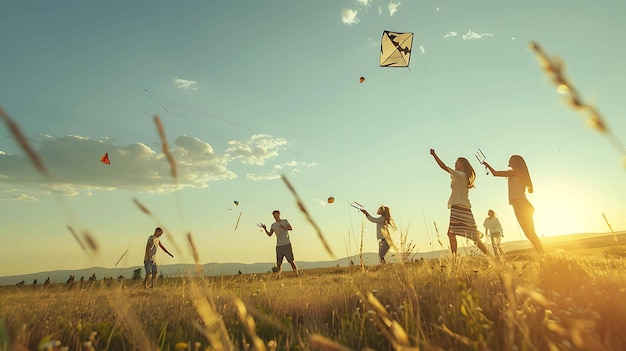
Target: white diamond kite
[{"x": 395, "y": 49}]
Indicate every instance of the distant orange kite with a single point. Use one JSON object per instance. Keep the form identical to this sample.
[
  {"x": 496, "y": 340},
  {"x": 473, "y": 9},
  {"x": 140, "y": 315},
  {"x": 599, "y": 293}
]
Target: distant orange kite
[{"x": 105, "y": 159}]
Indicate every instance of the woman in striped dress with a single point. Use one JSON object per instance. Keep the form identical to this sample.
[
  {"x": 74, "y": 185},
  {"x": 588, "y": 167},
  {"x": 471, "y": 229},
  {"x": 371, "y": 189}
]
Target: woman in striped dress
[{"x": 462, "y": 221}]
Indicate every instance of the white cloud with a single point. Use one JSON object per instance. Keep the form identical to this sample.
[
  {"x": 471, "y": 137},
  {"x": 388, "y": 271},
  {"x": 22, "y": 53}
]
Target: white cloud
[
  {"x": 450, "y": 34},
  {"x": 286, "y": 164},
  {"x": 294, "y": 164},
  {"x": 348, "y": 16},
  {"x": 422, "y": 50},
  {"x": 19, "y": 197},
  {"x": 184, "y": 83},
  {"x": 266, "y": 176},
  {"x": 256, "y": 150},
  {"x": 75, "y": 169},
  {"x": 193, "y": 150},
  {"x": 393, "y": 8},
  {"x": 470, "y": 35},
  {"x": 290, "y": 167}
]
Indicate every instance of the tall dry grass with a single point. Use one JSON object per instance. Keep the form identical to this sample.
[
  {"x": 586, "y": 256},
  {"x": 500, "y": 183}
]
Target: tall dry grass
[
  {"x": 567, "y": 301},
  {"x": 554, "y": 68},
  {"x": 552, "y": 302}
]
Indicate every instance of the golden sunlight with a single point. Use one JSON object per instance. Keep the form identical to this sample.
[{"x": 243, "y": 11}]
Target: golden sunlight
[{"x": 566, "y": 208}]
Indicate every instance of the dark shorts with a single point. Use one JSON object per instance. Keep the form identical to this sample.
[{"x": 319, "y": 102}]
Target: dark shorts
[
  {"x": 383, "y": 248},
  {"x": 150, "y": 267},
  {"x": 285, "y": 251}
]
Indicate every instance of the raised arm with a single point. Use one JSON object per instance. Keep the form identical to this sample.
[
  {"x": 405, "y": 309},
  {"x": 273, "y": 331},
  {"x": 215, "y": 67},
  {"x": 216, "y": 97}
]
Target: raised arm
[
  {"x": 266, "y": 232},
  {"x": 498, "y": 173},
  {"x": 438, "y": 160},
  {"x": 371, "y": 218}
]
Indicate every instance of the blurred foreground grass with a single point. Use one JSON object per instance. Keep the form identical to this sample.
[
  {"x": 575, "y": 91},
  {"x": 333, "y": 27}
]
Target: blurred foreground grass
[{"x": 572, "y": 300}]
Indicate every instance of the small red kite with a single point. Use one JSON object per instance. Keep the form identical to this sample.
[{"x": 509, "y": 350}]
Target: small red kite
[{"x": 105, "y": 159}]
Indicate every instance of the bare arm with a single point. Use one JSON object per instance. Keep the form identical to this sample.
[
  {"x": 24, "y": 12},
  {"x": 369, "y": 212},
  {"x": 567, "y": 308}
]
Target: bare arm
[
  {"x": 286, "y": 226},
  {"x": 164, "y": 249},
  {"x": 498, "y": 173},
  {"x": 266, "y": 232},
  {"x": 438, "y": 160}
]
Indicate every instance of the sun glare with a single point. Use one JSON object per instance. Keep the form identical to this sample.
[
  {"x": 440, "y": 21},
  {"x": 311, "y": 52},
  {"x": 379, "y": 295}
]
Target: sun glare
[{"x": 564, "y": 210}]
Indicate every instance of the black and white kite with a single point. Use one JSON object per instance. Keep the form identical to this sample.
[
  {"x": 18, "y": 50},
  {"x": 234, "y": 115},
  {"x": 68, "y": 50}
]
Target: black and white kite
[{"x": 395, "y": 49}]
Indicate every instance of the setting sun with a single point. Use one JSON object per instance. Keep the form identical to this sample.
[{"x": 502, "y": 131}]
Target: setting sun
[{"x": 567, "y": 207}]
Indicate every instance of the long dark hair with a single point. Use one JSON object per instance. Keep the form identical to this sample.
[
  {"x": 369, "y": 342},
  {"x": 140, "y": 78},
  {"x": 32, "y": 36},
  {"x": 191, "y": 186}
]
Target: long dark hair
[
  {"x": 469, "y": 172},
  {"x": 387, "y": 214},
  {"x": 519, "y": 165}
]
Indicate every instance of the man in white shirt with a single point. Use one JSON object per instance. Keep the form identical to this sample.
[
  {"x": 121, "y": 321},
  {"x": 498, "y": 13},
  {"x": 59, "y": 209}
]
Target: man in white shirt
[
  {"x": 283, "y": 244},
  {"x": 149, "y": 259}
]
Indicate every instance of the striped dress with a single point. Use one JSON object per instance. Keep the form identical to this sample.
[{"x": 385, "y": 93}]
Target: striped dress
[{"x": 462, "y": 221}]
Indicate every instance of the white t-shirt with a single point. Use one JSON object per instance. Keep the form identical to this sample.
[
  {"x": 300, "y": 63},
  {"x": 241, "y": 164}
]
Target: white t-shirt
[
  {"x": 493, "y": 225},
  {"x": 460, "y": 191},
  {"x": 282, "y": 234},
  {"x": 153, "y": 244},
  {"x": 517, "y": 189}
]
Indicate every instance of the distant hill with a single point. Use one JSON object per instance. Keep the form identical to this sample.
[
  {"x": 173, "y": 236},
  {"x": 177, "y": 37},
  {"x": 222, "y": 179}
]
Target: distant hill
[
  {"x": 564, "y": 242},
  {"x": 177, "y": 270}
]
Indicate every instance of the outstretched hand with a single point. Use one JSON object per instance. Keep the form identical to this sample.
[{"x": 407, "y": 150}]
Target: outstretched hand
[
  {"x": 172, "y": 256},
  {"x": 432, "y": 152}
]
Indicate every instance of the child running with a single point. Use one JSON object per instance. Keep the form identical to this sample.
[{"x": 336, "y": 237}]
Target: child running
[{"x": 383, "y": 224}]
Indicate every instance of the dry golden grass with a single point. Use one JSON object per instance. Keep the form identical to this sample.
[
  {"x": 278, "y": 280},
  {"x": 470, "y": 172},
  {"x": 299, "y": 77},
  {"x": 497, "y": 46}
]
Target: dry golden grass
[
  {"x": 554, "y": 67},
  {"x": 568, "y": 301},
  {"x": 564, "y": 301}
]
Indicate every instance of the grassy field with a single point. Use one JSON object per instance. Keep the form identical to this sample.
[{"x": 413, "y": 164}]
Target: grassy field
[{"x": 569, "y": 299}]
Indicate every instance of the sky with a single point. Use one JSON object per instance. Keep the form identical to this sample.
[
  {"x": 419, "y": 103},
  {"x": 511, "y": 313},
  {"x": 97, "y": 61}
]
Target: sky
[{"x": 249, "y": 91}]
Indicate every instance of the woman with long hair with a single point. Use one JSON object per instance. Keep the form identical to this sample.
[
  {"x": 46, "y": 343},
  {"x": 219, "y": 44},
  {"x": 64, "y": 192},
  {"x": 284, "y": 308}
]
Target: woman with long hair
[
  {"x": 462, "y": 221},
  {"x": 519, "y": 181},
  {"x": 383, "y": 223}
]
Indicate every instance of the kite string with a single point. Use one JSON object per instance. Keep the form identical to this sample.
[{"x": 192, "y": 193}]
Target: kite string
[
  {"x": 89, "y": 245},
  {"x": 448, "y": 110},
  {"x": 154, "y": 99},
  {"x": 202, "y": 113},
  {"x": 230, "y": 242}
]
